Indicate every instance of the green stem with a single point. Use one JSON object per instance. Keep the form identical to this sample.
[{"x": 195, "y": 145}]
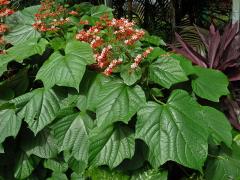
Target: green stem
[{"x": 158, "y": 101}]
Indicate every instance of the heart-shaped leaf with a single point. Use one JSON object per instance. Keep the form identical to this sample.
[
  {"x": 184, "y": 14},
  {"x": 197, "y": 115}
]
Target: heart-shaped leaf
[
  {"x": 210, "y": 84},
  {"x": 117, "y": 101},
  {"x": 72, "y": 132},
  {"x": 66, "y": 70},
  {"x": 174, "y": 131},
  {"x": 111, "y": 147},
  {"x": 166, "y": 72},
  {"x": 38, "y": 108},
  {"x": 9, "y": 124},
  {"x": 21, "y": 28}
]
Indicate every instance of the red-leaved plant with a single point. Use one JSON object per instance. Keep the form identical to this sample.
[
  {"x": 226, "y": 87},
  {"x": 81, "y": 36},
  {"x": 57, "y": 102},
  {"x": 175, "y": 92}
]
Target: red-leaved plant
[
  {"x": 222, "y": 51},
  {"x": 223, "y": 54}
]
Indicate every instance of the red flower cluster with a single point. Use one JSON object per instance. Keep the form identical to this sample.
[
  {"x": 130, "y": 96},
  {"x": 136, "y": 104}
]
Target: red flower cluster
[
  {"x": 4, "y": 2},
  {"x": 50, "y": 17},
  {"x": 125, "y": 29},
  {"x": 102, "y": 58},
  {"x": 4, "y": 12},
  {"x": 3, "y": 28},
  {"x": 91, "y": 35},
  {"x": 118, "y": 33},
  {"x": 140, "y": 57},
  {"x": 108, "y": 71},
  {"x": 74, "y": 13}
]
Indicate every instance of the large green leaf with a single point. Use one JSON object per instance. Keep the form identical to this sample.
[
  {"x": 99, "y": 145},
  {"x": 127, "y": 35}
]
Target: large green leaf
[
  {"x": 154, "y": 40},
  {"x": 9, "y": 124},
  {"x": 117, "y": 102},
  {"x": 66, "y": 70},
  {"x": 223, "y": 167},
  {"x": 110, "y": 146},
  {"x": 166, "y": 72},
  {"x": 22, "y": 51},
  {"x": 71, "y": 133},
  {"x": 55, "y": 166},
  {"x": 43, "y": 145},
  {"x": 131, "y": 76},
  {"x": 24, "y": 167},
  {"x": 151, "y": 174},
  {"x": 105, "y": 174},
  {"x": 156, "y": 53},
  {"x": 58, "y": 176},
  {"x": 77, "y": 166},
  {"x": 1, "y": 149},
  {"x": 21, "y": 28},
  {"x": 4, "y": 60},
  {"x": 174, "y": 131},
  {"x": 210, "y": 84},
  {"x": 219, "y": 126},
  {"x": 75, "y": 176},
  {"x": 39, "y": 109},
  {"x": 17, "y": 84},
  {"x": 185, "y": 63},
  {"x": 98, "y": 11},
  {"x": 26, "y": 49},
  {"x": 89, "y": 90}
]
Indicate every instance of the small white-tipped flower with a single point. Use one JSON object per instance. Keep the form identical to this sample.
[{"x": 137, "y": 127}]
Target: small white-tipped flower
[{"x": 134, "y": 66}]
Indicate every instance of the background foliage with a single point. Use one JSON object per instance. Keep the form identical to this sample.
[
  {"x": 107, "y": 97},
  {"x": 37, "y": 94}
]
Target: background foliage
[{"x": 153, "y": 115}]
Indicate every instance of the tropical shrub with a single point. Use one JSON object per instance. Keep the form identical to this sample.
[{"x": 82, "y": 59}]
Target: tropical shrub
[
  {"x": 221, "y": 52},
  {"x": 85, "y": 95}
]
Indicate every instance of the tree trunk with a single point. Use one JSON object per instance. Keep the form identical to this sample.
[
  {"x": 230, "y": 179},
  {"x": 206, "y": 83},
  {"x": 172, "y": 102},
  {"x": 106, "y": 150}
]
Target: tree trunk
[{"x": 235, "y": 11}]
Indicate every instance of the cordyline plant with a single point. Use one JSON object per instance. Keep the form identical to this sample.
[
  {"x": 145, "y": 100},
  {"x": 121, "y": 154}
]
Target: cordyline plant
[
  {"x": 222, "y": 53},
  {"x": 98, "y": 98}
]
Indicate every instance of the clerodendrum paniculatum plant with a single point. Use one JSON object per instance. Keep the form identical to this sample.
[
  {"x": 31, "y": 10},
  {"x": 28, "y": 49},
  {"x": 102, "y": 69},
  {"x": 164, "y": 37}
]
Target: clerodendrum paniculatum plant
[{"x": 83, "y": 94}]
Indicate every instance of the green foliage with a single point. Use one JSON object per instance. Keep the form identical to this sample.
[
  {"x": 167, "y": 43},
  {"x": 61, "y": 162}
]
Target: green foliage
[
  {"x": 166, "y": 72},
  {"x": 112, "y": 147},
  {"x": 63, "y": 117},
  {"x": 10, "y": 124},
  {"x": 21, "y": 28},
  {"x": 68, "y": 69},
  {"x": 168, "y": 126},
  {"x": 211, "y": 91}
]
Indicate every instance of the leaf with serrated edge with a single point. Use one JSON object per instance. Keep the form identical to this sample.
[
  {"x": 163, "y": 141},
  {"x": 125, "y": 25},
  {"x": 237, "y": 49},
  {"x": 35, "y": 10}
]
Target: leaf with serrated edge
[
  {"x": 223, "y": 167},
  {"x": 9, "y": 124},
  {"x": 26, "y": 49},
  {"x": 111, "y": 147},
  {"x": 43, "y": 145},
  {"x": 131, "y": 76},
  {"x": 151, "y": 174},
  {"x": 174, "y": 131},
  {"x": 166, "y": 72},
  {"x": 21, "y": 28},
  {"x": 118, "y": 102},
  {"x": 105, "y": 174},
  {"x": 98, "y": 11},
  {"x": 71, "y": 133},
  {"x": 24, "y": 167},
  {"x": 40, "y": 109},
  {"x": 66, "y": 70},
  {"x": 55, "y": 165}
]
